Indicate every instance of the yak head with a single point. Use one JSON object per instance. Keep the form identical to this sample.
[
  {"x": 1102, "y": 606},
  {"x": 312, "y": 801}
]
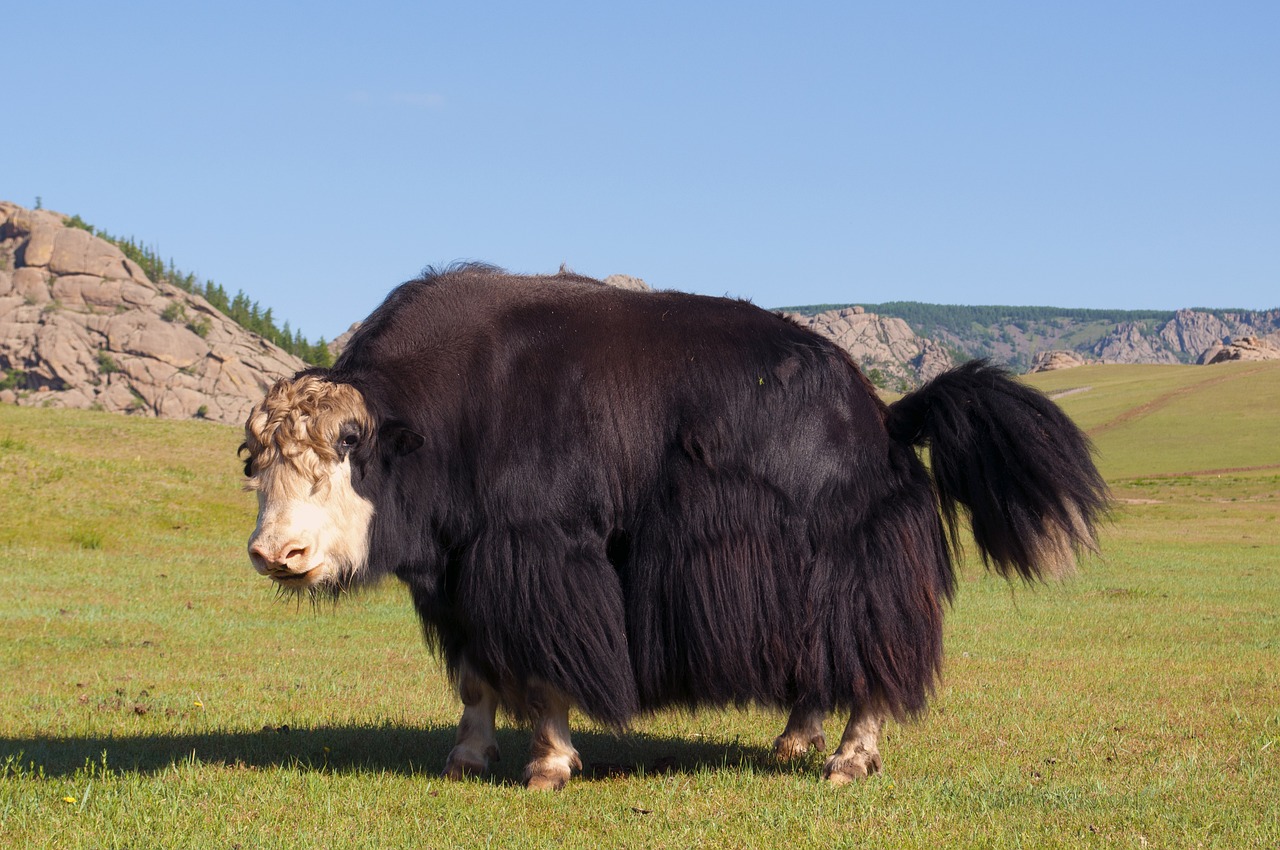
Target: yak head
[{"x": 305, "y": 445}]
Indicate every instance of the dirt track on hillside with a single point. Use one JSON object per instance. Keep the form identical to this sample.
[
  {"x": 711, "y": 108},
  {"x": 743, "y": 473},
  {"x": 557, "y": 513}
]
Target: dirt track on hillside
[{"x": 1162, "y": 401}]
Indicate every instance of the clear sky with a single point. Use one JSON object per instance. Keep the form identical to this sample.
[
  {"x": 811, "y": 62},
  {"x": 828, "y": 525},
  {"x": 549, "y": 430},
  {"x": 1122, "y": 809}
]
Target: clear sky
[{"x": 1079, "y": 154}]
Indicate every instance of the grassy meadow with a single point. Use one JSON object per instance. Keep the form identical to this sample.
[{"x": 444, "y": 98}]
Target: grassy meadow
[{"x": 156, "y": 692}]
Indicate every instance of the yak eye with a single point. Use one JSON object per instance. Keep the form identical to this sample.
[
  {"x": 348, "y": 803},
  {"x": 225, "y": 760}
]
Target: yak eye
[{"x": 347, "y": 441}]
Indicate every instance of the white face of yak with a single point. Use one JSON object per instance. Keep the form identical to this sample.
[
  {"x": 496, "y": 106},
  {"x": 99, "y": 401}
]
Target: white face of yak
[{"x": 313, "y": 527}]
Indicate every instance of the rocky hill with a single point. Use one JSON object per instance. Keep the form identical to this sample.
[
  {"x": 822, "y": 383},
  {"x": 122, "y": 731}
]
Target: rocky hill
[
  {"x": 82, "y": 326},
  {"x": 1026, "y": 337},
  {"x": 1189, "y": 336}
]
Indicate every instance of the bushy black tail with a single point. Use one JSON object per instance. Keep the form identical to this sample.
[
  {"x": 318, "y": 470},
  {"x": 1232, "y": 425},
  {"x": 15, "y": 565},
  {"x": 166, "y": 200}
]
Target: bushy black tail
[{"x": 1011, "y": 456}]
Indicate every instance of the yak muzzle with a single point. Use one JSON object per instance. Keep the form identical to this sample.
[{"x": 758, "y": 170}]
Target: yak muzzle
[{"x": 291, "y": 563}]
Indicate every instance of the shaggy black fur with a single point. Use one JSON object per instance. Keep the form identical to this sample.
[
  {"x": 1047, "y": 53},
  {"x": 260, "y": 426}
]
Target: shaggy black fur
[{"x": 647, "y": 499}]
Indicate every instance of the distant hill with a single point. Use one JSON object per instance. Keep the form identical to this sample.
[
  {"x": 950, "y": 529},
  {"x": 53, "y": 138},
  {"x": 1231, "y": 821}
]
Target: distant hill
[{"x": 1016, "y": 335}]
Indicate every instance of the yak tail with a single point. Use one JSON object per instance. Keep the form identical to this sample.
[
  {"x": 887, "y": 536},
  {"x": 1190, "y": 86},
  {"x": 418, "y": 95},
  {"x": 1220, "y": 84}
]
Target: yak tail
[{"x": 1013, "y": 459}]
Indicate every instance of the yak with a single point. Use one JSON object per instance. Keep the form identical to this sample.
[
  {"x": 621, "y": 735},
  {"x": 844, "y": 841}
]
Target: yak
[{"x": 623, "y": 501}]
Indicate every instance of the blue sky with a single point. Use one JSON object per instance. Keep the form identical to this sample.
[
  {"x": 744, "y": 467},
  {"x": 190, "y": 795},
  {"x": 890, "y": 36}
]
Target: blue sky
[{"x": 1080, "y": 154}]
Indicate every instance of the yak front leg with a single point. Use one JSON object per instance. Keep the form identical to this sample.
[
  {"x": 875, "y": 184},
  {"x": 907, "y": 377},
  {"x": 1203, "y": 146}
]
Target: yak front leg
[
  {"x": 477, "y": 743},
  {"x": 552, "y": 758},
  {"x": 803, "y": 733},
  {"x": 858, "y": 755}
]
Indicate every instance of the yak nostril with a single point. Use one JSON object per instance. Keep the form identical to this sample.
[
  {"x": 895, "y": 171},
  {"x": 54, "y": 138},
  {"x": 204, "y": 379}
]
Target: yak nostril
[
  {"x": 258, "y": 555},
  {"x": 295, "y": 554}
]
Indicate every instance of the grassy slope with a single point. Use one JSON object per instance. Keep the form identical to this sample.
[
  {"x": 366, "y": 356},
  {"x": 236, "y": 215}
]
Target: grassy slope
[{"x": 1135, "y": 705}]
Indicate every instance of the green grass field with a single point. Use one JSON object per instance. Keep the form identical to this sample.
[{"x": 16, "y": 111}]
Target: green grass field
[{"x": 157, "y": 693}]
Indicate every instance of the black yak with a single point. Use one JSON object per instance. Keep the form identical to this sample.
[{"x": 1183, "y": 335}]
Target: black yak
[{"x": 624, "y": 501}]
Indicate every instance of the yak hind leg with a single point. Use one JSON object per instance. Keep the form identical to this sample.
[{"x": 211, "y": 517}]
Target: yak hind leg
[
  {"x": 552, "y": 757},
  {"x": 858, "y": 755},
  {"x": 803, "y": 733},
  {"x": 477, "y": 743}
]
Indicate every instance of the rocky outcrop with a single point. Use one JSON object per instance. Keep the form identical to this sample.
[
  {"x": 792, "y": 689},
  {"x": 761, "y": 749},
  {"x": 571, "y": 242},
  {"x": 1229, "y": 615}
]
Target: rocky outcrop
[
  {"x": 626, "y": 281},
  {"x": 82, "y": 326},
  {"x": 1051, "y": 361},
  {"x": 1245, "y": 348},
  {"x": 340, "y": 341},
  {"x": 886, "y": 348}
]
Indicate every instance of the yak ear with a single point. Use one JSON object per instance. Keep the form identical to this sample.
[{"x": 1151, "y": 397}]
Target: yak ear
[{"x": 400, "y": 438}]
